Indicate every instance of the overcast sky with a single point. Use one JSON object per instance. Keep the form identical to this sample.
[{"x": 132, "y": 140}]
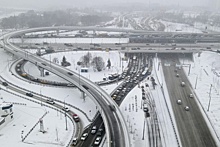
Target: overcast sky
[{"x": 72, "y": 3}]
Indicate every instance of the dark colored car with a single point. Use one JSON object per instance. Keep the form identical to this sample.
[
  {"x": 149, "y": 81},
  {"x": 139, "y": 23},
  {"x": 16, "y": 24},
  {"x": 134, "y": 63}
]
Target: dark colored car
[{"x": 29, "y": 94}]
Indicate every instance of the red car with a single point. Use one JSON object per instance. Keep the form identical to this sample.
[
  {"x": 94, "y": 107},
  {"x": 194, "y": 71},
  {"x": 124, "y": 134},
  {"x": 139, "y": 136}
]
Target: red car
[{"x": 76, "y": 117}]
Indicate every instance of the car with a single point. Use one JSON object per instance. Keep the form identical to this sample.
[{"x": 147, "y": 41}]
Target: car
[
  {"x": 114, "y": 97},
  {"x": 76, "y": 117},
  {"x": 100, "y": 132},
  {"x": 97, "y": 140},
  {"x": 84, "y": 136},
  {"x": 118, "y": 98},
  {"x": 179, "y": 102},
  {"x": 186, "y": 108},
  {"x": 4, "y": 83},
  {"x": 177, "y": 75},
  {"x": 69, "y": 73},
  {"x": 44, "y": 64},
  {"x": 190, "y": 95},
  {"x": 50, "y": 101},
  {"x": 29, "y": 94},
  {"x": 74, "y": 142},
  {"x": 183, "y": 84},
  {"x": 112, "y": 107},
  {"x": 93, "y": 130},
  {"x": 85, "y": 87},
  {"x": 65, "y": 109}
]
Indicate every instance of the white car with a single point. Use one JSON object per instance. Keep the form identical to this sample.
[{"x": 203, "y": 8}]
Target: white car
[
  {"x": 84, "y": 136},
  {"x": 74, "y": 141},
  {"x": 186, "y": 108},
  {"x": 191, "y": 95},
  {"x": 50, "y": 101},
  {"x": 179, "y": 102},
  {"x": 94, "y": 129},
  {"x": 97, "y": 140},
  {"x": 66, "y": 109}
]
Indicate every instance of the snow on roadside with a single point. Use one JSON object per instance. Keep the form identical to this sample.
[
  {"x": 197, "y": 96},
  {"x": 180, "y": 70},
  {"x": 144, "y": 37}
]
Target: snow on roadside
[{"x": 204, "y": 79}]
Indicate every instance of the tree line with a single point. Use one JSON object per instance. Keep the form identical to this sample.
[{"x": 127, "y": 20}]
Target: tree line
[{"x": 33, "y": 18}]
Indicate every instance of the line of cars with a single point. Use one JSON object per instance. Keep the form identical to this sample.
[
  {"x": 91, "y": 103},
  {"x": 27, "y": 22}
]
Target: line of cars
[
  {"x": 51, "y": 101},
  {"x": 179, "y": 102},
  {"x": 133, "y": 75},
  {"x": 93, "y": 131}
]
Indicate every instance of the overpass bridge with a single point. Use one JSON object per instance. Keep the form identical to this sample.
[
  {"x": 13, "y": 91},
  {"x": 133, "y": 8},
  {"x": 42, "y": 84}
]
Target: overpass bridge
[{"x": 190, "y": 51}]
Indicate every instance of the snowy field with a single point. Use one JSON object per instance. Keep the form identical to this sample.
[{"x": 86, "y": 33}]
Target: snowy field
[{"x": 117, "y": 65}]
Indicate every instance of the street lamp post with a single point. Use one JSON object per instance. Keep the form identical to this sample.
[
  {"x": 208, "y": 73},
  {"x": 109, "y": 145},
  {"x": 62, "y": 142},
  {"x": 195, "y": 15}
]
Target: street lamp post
[
  {"x": 65, "y": 111},
  {"x": 41, "y": 95},
  {"x": 209, "y": 97}
]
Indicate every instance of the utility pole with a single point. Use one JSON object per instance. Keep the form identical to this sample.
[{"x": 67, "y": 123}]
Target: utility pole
[
  {"x": 143, "y": 130},
  {"x": 65, "y": 111},
  {"x": 209, "y": 97},
  {"x": 189, "y": 69},
  {"x": 196, "y": 81}
]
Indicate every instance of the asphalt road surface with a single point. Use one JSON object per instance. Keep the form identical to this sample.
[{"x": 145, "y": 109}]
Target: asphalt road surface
[{"x": 192, "y": 127}]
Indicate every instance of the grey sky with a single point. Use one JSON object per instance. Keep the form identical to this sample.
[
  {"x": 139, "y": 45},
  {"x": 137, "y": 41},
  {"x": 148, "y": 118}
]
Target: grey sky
[{"x": 72, "y": 3}]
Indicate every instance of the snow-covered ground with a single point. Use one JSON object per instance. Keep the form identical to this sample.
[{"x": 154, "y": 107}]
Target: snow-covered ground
[{"x": 204, "y": 77}]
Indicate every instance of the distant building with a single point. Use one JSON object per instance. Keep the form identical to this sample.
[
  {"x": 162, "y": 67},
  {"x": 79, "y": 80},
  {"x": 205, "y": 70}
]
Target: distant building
[{"x": 6, "y": 114}]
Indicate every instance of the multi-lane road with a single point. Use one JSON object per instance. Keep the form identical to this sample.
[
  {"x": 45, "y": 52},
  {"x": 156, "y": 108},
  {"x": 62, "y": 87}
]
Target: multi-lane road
[{"x": 192, "y": 127}]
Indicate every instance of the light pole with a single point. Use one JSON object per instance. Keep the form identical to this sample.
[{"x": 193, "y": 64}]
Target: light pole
[
  {"x": 209, "y": 97},
  {"x": 143, "y": 130},
  {"x": 196, "y": 81},
  {"x": 41, "y": 95},
  {"x": 65, "y": 111}
]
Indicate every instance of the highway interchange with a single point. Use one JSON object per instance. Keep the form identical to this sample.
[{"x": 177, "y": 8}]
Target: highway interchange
[{"x": 187, "y": 121}]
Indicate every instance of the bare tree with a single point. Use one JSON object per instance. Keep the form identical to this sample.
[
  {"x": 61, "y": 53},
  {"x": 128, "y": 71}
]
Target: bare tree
[{"x": 86, "y": 59}]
